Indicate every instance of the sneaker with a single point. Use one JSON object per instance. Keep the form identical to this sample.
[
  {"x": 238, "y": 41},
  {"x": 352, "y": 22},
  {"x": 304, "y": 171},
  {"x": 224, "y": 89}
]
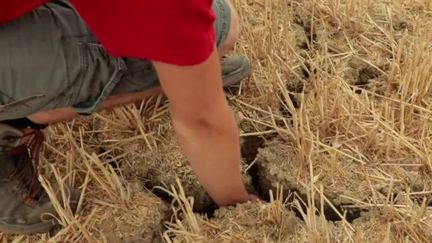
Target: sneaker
[
  {"x": 235, "y": 69},
  {"x": 25, "y": 207}
]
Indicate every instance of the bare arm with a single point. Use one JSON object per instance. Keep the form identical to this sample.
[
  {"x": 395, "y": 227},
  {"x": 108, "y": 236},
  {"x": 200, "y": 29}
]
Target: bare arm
[{"x": 205, "y": 126}]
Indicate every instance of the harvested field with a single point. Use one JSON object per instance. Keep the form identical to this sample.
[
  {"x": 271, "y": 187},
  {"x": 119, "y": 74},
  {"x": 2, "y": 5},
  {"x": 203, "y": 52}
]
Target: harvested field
[{"x": 336, "y": 128}]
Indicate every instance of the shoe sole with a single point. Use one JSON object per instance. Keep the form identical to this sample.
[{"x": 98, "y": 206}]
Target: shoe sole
[{"x": 27, "y": 229}]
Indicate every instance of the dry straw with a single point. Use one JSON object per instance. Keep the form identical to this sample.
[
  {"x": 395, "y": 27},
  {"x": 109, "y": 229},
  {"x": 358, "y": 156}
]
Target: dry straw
[{"x": 342, "y": 94}]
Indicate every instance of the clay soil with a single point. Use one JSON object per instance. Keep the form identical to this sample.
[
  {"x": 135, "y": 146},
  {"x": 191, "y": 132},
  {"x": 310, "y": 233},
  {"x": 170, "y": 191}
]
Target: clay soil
[{"x": 336, "y": 130}]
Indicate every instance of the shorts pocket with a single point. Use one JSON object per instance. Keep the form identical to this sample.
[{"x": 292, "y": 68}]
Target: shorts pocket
[{"x": 99, "y": 73}]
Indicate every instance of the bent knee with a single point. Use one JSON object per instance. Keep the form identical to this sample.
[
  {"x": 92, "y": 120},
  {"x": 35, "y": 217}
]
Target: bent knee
[{"x": 234, "y": 32}]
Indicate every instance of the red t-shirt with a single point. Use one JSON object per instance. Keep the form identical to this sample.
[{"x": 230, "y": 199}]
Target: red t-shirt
[{"x": 173, "y": 31}]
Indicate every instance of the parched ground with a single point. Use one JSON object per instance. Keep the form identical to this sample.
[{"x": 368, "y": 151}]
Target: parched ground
[{"x": 336, "y": 128}]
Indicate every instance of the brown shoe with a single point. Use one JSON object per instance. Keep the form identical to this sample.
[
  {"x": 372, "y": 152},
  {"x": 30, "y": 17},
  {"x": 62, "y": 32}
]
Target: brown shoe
[{"x": 24, "y": 205}]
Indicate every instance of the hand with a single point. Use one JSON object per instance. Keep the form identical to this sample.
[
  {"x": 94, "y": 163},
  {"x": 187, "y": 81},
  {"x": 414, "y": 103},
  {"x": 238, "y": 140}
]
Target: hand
[
  {"x": 253, "y": 198},
  {"x": 245, "y": 199}
]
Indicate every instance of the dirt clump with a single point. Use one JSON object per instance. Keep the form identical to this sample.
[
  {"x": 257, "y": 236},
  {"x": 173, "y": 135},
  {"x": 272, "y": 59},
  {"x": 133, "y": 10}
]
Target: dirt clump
[
  {"x": 387, "y": 225},
  {"x": 140, "y": 220},
  {"x": 278, "y": 166},
  {"x": 251, "y": 222}
]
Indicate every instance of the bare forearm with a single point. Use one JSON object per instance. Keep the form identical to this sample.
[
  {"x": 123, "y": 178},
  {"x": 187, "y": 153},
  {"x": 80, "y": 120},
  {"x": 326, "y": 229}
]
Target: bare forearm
[
  {"x": 213, "y": 150},
  {"x": 205, "y": 126}
]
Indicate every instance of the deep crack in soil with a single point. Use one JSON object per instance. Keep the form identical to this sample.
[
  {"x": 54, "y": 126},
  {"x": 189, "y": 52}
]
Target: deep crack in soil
[
  {"x": 249, "y": 150},
  {"x": 255, "y": 171}
]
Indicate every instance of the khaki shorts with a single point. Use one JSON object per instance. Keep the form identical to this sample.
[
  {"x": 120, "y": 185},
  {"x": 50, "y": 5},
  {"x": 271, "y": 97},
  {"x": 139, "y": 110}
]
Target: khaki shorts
[{"x": 49, "y": 59}]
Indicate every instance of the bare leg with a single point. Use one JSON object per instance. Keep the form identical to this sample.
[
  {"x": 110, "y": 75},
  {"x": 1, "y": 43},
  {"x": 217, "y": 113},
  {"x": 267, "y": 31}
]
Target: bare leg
[{"x": 67, "y": 113}]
